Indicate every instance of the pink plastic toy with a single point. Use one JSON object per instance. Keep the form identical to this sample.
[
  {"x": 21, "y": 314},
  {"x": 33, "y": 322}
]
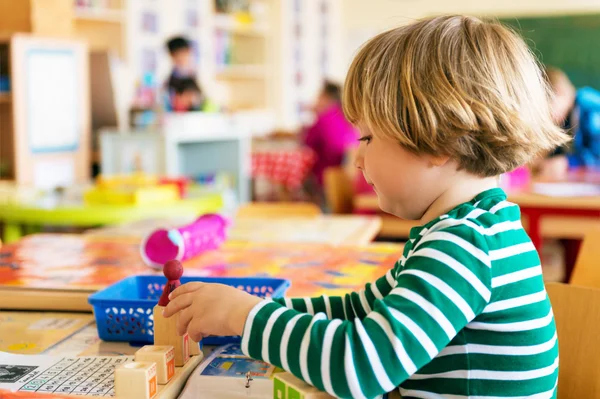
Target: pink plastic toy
[{"x": 206, "y": 233}]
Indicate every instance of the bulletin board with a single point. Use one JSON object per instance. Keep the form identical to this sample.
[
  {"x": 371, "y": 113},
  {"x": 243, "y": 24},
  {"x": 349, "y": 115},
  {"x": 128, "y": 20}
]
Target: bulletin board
[{"x": 566, "y": 42}]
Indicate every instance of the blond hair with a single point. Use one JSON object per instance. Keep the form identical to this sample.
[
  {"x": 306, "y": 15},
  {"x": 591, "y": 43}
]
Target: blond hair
[{"x": 454, "y": 86}]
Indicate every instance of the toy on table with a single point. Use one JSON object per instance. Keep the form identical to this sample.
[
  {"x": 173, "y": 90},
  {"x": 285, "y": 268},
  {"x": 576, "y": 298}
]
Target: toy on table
[
  {"x": 205, "y": 233},
  {"x": 287, "y": 386},
  {"x": 135, "y": 189},
  {"x": 156, "y": 363},
  {"x": 173, "y": 270}
]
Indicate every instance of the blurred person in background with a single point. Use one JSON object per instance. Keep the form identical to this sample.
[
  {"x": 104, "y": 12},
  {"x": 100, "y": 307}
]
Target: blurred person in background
[
  {"x": 578, "y": 112},
  {"x": 331, "y": 136}
]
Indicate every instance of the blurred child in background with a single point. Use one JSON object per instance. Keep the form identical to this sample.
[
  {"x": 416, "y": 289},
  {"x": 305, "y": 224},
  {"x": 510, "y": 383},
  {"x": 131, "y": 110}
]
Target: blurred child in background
[
  {"x": 180, "y": 50},
  {"x": 187, "y": 96},
  {"x": 182, "y": 91},
  {"x": 578, "y": 112},
  {"x": 331, "y": 136}
]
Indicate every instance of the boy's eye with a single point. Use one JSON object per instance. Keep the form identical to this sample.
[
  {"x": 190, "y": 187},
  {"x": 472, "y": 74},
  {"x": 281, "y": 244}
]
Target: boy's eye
[{"x": 367, "y": 139}]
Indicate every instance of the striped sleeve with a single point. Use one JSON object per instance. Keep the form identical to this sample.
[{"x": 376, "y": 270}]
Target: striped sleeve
[
  {"x": 444, "y": 284},
  {"x": 348, "y": 307}
]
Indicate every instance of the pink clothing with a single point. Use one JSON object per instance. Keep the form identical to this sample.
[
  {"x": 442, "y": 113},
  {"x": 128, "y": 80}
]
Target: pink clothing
[{"x": 330, "y": 137}]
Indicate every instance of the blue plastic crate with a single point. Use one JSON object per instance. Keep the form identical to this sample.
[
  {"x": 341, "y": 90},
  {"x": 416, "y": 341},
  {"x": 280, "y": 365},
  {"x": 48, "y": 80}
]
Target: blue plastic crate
[{"x": 123, "y": 310}]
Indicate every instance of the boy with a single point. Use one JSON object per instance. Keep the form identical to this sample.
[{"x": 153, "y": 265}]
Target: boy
[
  {"x": 577, "y": 111},
  {"x": 444, "y": 106}
]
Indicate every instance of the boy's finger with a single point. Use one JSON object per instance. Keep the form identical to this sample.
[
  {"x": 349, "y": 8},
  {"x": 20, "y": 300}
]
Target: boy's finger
[
  {"x": 197, "y": 330},
  {"x": 185, "y": 316},
  {"x": 185, "y": 289},
  {"x": 177, "y": 304}
]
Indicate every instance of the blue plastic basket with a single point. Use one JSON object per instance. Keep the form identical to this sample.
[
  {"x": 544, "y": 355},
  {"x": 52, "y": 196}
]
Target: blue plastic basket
[{"x": 123, "y": 310}]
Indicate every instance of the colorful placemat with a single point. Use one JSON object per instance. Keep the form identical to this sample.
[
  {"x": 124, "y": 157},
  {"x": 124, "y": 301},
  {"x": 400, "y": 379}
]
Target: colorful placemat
[{"x": 75, "y": 262}]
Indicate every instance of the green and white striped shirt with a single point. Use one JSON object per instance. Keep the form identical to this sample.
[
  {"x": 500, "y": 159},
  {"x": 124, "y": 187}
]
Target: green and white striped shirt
[{"x": 463, "y": 314}]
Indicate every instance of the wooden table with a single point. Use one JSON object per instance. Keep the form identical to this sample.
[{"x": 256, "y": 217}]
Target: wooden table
[
  {"x": 351, "y": 230},
  {"x": 556, "y": 217}
]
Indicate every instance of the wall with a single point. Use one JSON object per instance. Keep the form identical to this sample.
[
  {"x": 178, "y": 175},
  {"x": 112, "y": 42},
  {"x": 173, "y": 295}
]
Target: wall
[{"x": 362, "y": 19}]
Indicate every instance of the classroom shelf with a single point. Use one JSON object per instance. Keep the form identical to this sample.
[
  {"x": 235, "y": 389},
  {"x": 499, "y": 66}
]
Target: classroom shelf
[
  {"x": 242, "y": 72},
  {"x": 5, "y": 98},
  {"x": 99, "y": 15},
  {"x": 241, "y": 30}
]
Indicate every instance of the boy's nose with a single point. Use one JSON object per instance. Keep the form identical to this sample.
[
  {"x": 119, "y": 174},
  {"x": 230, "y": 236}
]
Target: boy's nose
[{"x": 359, "y": 161}]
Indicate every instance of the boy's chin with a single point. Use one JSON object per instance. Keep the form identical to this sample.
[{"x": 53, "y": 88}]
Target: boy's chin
[
  {"x": 392, "y": 208},
  {"x": 396, "y": 209}
]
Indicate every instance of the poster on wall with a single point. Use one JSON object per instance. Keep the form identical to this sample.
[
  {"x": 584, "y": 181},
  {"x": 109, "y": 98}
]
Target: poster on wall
[
  {"x": 191, "y": 18},
  {"x": 53, "y": 100},
  {"x": 149, "y": 22}
]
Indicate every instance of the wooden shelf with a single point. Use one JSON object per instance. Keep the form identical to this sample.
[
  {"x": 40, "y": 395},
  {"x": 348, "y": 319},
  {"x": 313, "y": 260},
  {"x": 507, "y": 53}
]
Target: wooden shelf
[
  {"x": 5, "y": 98},
  {"x": 241, "y": 72},
  {"x": 99, "y": 15},
  {"x": 228, "y": 25}
]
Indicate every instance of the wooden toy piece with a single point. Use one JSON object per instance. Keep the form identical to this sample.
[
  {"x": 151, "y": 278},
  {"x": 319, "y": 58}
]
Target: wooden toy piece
[
  {"x": 136, "y": 380},
  {"x": 173, "y": 270},
  {"x": 287, "y": 386},
  {"x": 165, "y": 334},
  {"x": 163, "y": 356},
  {"x": 194, "y": 348}
]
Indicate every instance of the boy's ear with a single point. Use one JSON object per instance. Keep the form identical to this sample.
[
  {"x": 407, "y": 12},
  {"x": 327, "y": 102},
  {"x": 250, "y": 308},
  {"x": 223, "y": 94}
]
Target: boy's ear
[{"x": 439, "y": 161}]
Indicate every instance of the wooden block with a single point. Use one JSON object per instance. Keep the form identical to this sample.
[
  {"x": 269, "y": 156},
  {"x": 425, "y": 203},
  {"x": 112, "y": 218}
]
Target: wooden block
[
  {"x": 287, "y": 386},
  {"x": 163, "y": 356},
  {"x": 136, "y": 380},
  {"x": 194, "y": 348},
  {"x": 165, "y": 333}
]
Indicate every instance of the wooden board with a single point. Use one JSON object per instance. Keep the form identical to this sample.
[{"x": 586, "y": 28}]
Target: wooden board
[{"x": 43, "y": 268}]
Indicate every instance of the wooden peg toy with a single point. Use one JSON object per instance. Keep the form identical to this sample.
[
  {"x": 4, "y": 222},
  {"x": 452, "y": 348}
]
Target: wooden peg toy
[
  {"x": 136, "y": 380},
  {"x": 165, "y": 330},
  {"x": 173, "y": 270},
  {"x": 287, "y": 386},
  {"x": 194, "y": 348},
  {"x": 163, "y": 356}
]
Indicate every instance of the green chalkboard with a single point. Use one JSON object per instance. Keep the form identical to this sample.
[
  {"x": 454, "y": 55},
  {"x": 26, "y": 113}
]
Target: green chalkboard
[{"x": 571, "y": 43}]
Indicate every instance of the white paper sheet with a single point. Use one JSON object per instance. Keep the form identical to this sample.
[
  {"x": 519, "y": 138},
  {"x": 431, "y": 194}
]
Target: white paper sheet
[{"x": 85, "y": 376}]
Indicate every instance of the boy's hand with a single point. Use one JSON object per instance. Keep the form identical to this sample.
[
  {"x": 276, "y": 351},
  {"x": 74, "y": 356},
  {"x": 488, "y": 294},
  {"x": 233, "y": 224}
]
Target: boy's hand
[{"x": 210, "y": 309}]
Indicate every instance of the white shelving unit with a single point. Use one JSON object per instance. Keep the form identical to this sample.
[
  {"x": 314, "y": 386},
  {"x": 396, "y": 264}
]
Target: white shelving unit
[
  {"x": 191, "y": 144},
  {"x": 100, "y": 15}
]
